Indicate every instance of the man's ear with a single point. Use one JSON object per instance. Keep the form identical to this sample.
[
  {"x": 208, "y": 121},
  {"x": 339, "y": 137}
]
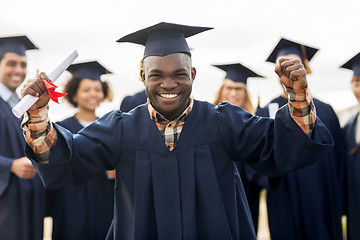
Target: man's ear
[
  {"x": 193, "y": 73},
  {"x": 142, "y": 75}
]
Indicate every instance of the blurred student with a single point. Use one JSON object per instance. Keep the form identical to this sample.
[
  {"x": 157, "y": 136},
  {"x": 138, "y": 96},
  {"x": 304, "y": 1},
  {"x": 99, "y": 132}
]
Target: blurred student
[
  {"x": 131, "y": 101},
  {"x": 306, "y": 203},
  {"x": 352, "y": 166},
  {"x": 22, "y": 195},
  {"x": 84, "y": 211},
  {"x": 234, "y": 90}
]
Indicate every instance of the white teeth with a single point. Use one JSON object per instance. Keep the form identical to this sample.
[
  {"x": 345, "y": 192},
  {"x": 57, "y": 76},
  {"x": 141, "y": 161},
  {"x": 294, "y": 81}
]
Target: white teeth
[
  {"x": 16, "y": 78},
  {"x": 169, "y": 95}
]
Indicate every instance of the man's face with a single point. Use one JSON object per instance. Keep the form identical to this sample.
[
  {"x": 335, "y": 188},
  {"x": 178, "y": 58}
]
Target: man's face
[
  {"x": 168, "y": 83},
  {"x": 12, "y": 70},
  {"x": 355, "y": 85}
]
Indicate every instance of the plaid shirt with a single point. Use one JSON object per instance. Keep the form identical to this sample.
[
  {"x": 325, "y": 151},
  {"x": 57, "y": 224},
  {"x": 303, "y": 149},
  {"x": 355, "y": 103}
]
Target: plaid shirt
[
  {"x": 170, "y": 130},
  {"x": 39, "y": 132},
  {"x": 41, "y": 135},
  {"x": 302, "y": 108}
]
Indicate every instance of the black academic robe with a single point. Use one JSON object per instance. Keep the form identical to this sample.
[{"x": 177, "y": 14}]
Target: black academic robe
[
  {"x": 253, "y": 182},
  {"x": 22, "y": 201},
  {"x": 352, "y": 180},
  {"x": 82, "y": 211},
  {"x": 129, "y": 102},
  {"x": 306, "y": 204},
  {"x": 190, "y": 192}
]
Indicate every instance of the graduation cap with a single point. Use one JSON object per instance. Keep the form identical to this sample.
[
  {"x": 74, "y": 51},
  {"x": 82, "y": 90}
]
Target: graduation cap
[
  {"x": 163, "y": 38},
  {"x": 91, "y": 70},
  {"x": 237, "y": 72},
  {"x": 286, "y": 47},
  {"x": 16, "y": 44},
  {"x": 353, "y": 64}
]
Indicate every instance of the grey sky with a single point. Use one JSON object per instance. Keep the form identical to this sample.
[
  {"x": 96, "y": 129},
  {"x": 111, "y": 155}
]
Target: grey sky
[{"x": 244, "y": 31}]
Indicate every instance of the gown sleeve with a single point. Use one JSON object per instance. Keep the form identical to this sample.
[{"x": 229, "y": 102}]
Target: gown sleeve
[
  {"x": 272, "y": 147},
  {"x": 76, "y": 158}
]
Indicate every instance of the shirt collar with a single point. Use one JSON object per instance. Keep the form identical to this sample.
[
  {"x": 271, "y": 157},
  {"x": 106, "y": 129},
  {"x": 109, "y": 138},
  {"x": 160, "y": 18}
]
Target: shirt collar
[
  {"x": 5, "y": 93},
  {"x": 157, "y": 117}
]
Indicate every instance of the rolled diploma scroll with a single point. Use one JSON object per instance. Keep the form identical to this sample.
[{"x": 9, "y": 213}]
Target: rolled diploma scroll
[{"x": 29, "y": 100}]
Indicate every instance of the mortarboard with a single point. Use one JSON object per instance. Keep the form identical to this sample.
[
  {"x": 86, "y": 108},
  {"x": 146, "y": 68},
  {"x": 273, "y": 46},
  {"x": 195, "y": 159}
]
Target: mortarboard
[
  {"x": 237, "y": 72},
  {"x": 286, "y": 47},
  {"x": 163, "y": 38},
  {"x": 16, "y": 44},
  {"x": 353, "y": 64},
  {"x": 91, "y": 70}
]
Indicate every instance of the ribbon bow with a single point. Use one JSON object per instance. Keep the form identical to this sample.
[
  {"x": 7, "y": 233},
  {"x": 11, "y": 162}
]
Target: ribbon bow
[{"x": 51, "y": 90}]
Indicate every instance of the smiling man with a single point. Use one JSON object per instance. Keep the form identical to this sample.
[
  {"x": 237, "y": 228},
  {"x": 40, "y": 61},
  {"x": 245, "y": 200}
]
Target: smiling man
[
  {"x": 22, "y": 195},
  {"x": 174, "y": 155}
]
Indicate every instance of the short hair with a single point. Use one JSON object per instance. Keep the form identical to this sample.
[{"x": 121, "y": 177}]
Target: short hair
[
  {"x": 72, "y": 86},
  {"x": 185, "y": 53},
  {"x": 2, "y": 56}
]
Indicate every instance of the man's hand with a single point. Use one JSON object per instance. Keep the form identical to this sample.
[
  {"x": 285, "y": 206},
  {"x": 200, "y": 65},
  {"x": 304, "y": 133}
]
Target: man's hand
[
  {"x": 23, "y": 168},
  {"x": 35, "y": 87},
  {"x": 292, "y": 73}
]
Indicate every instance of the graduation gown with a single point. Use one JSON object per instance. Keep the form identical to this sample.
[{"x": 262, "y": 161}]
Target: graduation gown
[
  {"x": 352, "y": 181},
  {"x": 129, "y": 102},
  {"x": 22, "y": 201},
  {"x": 252, "y": 183},
  {"x": 306, "y": 204},
  {"x": 82, "y": 211},
  {"x": 190, "y": 192}
]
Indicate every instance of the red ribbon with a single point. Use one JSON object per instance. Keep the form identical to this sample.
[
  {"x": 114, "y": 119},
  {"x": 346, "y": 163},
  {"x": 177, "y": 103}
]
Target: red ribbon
[{"x": 50, "y": 88}]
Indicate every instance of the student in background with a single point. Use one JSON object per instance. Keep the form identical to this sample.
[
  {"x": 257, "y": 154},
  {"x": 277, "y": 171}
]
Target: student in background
[
  {"x": 234, "y": 90},
  {"x": 84, "y": 211},
  {"x": 352, "y": 166},
  {"x": 306, "y": 203},
  {"x": 131, "y": 101},
  {"x": 22, "y": 195}
]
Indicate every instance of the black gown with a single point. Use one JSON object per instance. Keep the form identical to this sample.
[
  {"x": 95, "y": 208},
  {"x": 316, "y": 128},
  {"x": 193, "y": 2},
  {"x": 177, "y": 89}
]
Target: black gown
[
  {"x": 306, "y": 204},
  {"x": 22, "y": 201},
  {"x": 129, "y": 102},
  {"x": 190, "y": 192},
  {"x": 352, "y": 180},
  {"x": 83, "y": 211}
]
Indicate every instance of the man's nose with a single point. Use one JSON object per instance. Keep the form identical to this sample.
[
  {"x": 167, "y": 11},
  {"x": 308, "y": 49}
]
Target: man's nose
[{"x": 168, "y": 83}]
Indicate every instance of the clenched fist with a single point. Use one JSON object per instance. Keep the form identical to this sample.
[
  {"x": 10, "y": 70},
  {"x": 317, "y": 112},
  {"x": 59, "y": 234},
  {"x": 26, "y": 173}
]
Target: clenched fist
[
  {"x": 291, "y": 73},
  {"x": 35, "y": 87}
]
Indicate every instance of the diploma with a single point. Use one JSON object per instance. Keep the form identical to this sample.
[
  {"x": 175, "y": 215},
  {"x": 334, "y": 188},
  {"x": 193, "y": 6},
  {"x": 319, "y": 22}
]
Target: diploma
[{"x": 29, "y": 100}]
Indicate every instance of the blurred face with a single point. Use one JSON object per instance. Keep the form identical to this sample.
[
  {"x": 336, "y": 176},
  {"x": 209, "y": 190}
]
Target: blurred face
[
  {"x": 234, "y": 92},
  {"x": 168, "y": 83},
  {"x": 89, "y": 95},
  {"x": 355, "y": 84},
  {"x": 12, "y": 70}
]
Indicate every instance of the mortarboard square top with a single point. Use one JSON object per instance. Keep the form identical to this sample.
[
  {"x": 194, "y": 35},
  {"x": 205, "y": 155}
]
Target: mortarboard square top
[
  {"x": 286, "y": 47},
  {"x": 237, "y": 72},
  {"x": 90, "y": 70},
  {"x": 163, "y": 38},
  {"x": 353, "y": 64},
  {"x": 16, "y": 44}
]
